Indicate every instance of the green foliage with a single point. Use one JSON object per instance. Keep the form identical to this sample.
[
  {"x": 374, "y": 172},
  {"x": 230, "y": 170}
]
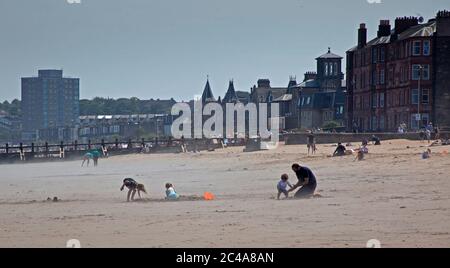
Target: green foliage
[
  {"x": 107, "y": 106},
  {"x": 331, "y": 125}
]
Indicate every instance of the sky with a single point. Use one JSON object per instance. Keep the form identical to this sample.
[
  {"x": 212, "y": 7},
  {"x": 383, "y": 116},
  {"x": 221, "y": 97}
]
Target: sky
[{"x": 167, "y": 48}]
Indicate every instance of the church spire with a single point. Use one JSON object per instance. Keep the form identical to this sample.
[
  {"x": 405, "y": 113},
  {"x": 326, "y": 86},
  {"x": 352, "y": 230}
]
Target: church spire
[
  {"x": 207, "y": 95},
  {"x": 230, "y": 96}
]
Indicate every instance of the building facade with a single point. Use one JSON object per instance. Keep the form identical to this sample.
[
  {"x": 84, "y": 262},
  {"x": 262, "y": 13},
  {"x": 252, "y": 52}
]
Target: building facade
[
  {"x": 321, "y": 95},
  {"x": 50, "y": 104},
  {"x": 401, "y": 76}
]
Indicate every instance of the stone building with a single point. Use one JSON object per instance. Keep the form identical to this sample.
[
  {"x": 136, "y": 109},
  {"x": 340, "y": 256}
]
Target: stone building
[{"x": 401, "y": 76}]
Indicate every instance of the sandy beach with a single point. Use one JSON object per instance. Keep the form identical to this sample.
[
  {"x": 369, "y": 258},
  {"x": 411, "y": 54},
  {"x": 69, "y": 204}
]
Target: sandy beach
[{"x": 393, "y": 196}]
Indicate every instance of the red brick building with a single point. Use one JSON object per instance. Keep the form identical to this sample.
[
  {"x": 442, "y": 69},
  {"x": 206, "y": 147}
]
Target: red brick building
[{"x": 402, "y": 72}]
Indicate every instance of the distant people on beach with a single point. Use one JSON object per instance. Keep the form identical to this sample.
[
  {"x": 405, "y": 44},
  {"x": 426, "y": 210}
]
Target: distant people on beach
[
  {"x": 87, "y": 158},
  {"x": 306, "y": 181},
  {"x": 340, "y": 150},
  {"x": 437, "y": 133},
  {"x": 282, "y": 186},
  {"x": 133, "y": 186},
  {"x": 360, "y": 154},
  {"x": 171, "y": 194},
  {"x": 426, "y": 154},
  {"x": 95, "y": 157},
  {"x": 311, "y": 143},
  {"x": 375, "y": 140}
]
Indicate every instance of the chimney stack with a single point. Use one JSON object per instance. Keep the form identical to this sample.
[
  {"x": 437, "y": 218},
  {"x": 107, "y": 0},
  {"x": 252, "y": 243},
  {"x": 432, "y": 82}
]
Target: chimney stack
[
  {"x": 362, "y": 35},
  {"x": 443, "y": 23},
  {"x": 264, "y": 83},
  {"x": 403, "y": 24},
  {"x": 310, "y": 76},
  {"x": 384, "y": 29}
]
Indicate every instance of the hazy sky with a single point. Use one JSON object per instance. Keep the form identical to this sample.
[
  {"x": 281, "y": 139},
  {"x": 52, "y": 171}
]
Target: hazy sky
[{"x": 166, "y": 48}]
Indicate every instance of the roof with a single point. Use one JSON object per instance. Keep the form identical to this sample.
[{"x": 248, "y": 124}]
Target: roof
[
  {"x": 243, "y": 96},
  {"x": 422, "y": 30},
  {"x": 231, "y": 95},
  {"x": 265, "y": 92},
  {"x": 312, "y": 83},
  {"x": 329, "y": 55},
  {"x": 207, "y": 95},
  {"x": 285, "y": 97}
]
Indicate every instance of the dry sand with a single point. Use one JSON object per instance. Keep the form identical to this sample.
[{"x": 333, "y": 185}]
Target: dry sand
[{"x": 393, "y": 196}]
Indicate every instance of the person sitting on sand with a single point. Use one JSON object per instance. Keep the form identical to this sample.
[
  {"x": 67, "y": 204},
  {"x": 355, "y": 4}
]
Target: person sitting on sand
[
  {"x": 132, "y": 186},
  {"x": 171, "y": 194},
  {"x": 426, "y": 154},
  {"x": 360, "y": 154},
  {"x": 282, "y": 186},
  {"x": 87, "y": 157},
  {"x": 375, "y": 140},
  {"x": 340, "y": 150},
  {"x": 306, "y": 180}
]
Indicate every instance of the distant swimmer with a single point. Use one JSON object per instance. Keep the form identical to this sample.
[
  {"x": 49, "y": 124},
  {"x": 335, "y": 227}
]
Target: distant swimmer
[
  {"x": 306, "y": 180},
  {"x": 87, "y": 157},
  {"x": 132, "y": 186}
]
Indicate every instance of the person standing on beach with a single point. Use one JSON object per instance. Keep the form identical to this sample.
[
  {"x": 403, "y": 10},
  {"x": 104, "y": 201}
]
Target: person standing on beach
[
  {"x": 311, "y": 141},
  {"x": 95, "y": 156},
  {"x": 306, "y": 180},
  {"x": 87, "y": 157}
]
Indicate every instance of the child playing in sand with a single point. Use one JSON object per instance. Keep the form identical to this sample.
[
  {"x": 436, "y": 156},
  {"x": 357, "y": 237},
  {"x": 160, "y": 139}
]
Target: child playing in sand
[
  {"x": 426, "y": 154},
  {"x": 282, "y": 186},
  {"x": 132, "y": 186},
  {"x": 171, "y": 194}
]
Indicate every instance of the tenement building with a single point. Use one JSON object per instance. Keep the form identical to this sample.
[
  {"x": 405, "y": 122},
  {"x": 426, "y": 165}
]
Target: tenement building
[{"x": 400, "y": 77}]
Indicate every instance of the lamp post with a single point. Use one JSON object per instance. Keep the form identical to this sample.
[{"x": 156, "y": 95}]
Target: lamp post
[{"x": 418, "y": 117}]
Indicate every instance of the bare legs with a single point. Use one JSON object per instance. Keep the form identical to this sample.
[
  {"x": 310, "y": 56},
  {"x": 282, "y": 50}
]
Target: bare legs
[{"x": 131, "y": 193}]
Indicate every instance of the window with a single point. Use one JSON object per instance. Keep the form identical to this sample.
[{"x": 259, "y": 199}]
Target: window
[
  {"x": 335, "y": 68},
  {"x": 382, "y": 54},
  {"x": 374, "y": 101},
  {"x": 425, "y": 119},
  {"x": 382, "y": 100},
  {"x": 374, "y": 123},
  {"x": 308, "y": 100},
  {"x": 415, "y": 72},
  {"x": 415, "y": 96},
  {"x": 374, "y": 77},
  {"x": 425, "y": 96},
  {"x": 417, "y": 48},
  {"x": 382, "y": 77},
  {"x": 426, "y": 72},
  {"x": 374, "y": 55},
  {"x": 382, "y": 122},
  {"x": 326, "y": 69},
  {"x": 331, "y": 69},
  {"x": 426, "y": 48},
  {"x": 414, "y": 121}
]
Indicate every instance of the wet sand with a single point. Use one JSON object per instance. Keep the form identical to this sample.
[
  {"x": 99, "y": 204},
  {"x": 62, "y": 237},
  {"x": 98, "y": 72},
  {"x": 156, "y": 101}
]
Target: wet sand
[{"x": 393, "y": 196}]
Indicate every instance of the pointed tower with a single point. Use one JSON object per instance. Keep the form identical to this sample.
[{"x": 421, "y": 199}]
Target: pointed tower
[
  {"x": 230, "y": 96},
  {"x": 291, "y": 85},
  {"x": 207, "y": 95},
  {"x": 329, "y": 70}
]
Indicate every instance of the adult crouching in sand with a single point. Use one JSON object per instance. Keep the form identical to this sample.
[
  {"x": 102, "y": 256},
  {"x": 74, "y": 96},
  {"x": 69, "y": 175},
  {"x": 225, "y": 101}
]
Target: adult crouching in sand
[{"x": 306, "y": 180}]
